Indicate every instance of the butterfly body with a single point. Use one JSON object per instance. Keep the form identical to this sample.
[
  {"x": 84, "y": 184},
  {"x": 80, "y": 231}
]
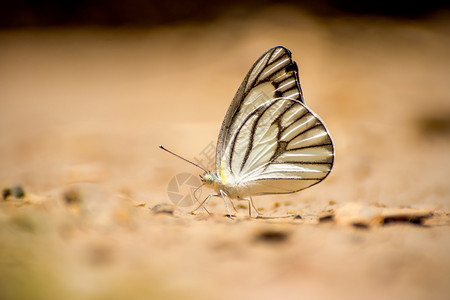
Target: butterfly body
[{"x": 230, "y": 188}]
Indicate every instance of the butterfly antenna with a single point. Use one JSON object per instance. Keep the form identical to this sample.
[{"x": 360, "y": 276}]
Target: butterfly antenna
[{"x": 160, "y": 146}]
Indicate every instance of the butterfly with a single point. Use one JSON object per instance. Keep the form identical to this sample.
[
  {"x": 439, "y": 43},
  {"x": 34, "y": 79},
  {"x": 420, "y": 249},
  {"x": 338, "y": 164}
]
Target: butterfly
[{"x": 270, "y": 142}]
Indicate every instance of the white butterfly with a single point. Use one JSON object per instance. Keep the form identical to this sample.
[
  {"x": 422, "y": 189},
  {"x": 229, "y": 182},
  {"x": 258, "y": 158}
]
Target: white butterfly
[{"x": 269, "y": 142}]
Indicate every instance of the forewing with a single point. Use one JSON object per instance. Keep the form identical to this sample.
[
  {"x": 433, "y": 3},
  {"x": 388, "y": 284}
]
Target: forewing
[
  {"x": 281, "y": 147},
  {"x": 274, "y": 75}
]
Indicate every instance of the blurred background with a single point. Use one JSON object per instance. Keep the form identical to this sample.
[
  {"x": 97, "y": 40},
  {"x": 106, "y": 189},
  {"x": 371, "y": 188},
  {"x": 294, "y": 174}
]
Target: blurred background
[
  {"x": 153, "y": 13},
  {"x": 89, "y": 89}
]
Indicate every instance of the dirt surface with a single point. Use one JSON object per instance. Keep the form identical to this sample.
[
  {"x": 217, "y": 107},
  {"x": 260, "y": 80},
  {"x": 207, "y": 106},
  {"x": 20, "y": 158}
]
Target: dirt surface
[{"x": 82, "y": 112}]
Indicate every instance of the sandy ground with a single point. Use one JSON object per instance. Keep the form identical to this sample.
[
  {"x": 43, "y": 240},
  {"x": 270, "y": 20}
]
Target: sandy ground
[{"x": 82, "y": 112}]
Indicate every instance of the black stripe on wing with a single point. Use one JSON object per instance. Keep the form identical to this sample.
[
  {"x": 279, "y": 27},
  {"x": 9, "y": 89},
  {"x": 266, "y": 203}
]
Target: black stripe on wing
[
  {"x": 246, "y": 132},
  {"x": 277, "y": 67}
]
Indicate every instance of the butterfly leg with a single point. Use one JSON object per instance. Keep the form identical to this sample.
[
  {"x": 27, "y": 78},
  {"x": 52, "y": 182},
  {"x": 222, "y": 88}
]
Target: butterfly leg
[
  {"x": 203, "y": 204},
  {"x": 250, "y": 205},
  {"x": 253, "y": 205},
  {"x": 223, "y": 194},
  {"x": 195, "y": 191},
  {"x": 232, "y": 204}
]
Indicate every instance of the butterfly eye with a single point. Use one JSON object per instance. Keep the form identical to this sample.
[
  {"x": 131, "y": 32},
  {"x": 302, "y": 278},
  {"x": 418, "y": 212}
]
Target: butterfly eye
[{"x": 207, "y": 178}]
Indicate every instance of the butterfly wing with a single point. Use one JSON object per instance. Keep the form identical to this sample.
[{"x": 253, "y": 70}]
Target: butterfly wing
[
  {"x": 273, "y": 75},
  {"x": 270, "y": 142}
]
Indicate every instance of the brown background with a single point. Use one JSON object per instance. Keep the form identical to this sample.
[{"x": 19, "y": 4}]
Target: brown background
[{"x": 84, "y": 108}]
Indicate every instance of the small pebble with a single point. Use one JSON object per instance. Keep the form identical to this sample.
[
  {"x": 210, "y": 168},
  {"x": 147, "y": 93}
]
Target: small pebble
[
  {"x": 15, "y": 191},
  {"x": 272, "y": 236},
  {"x": 162, "y": 209},
  {"x": 72, "y": 196}
]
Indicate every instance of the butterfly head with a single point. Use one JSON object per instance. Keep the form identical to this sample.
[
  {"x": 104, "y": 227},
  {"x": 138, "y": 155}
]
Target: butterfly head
[{"x": 209, "y": 178}]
